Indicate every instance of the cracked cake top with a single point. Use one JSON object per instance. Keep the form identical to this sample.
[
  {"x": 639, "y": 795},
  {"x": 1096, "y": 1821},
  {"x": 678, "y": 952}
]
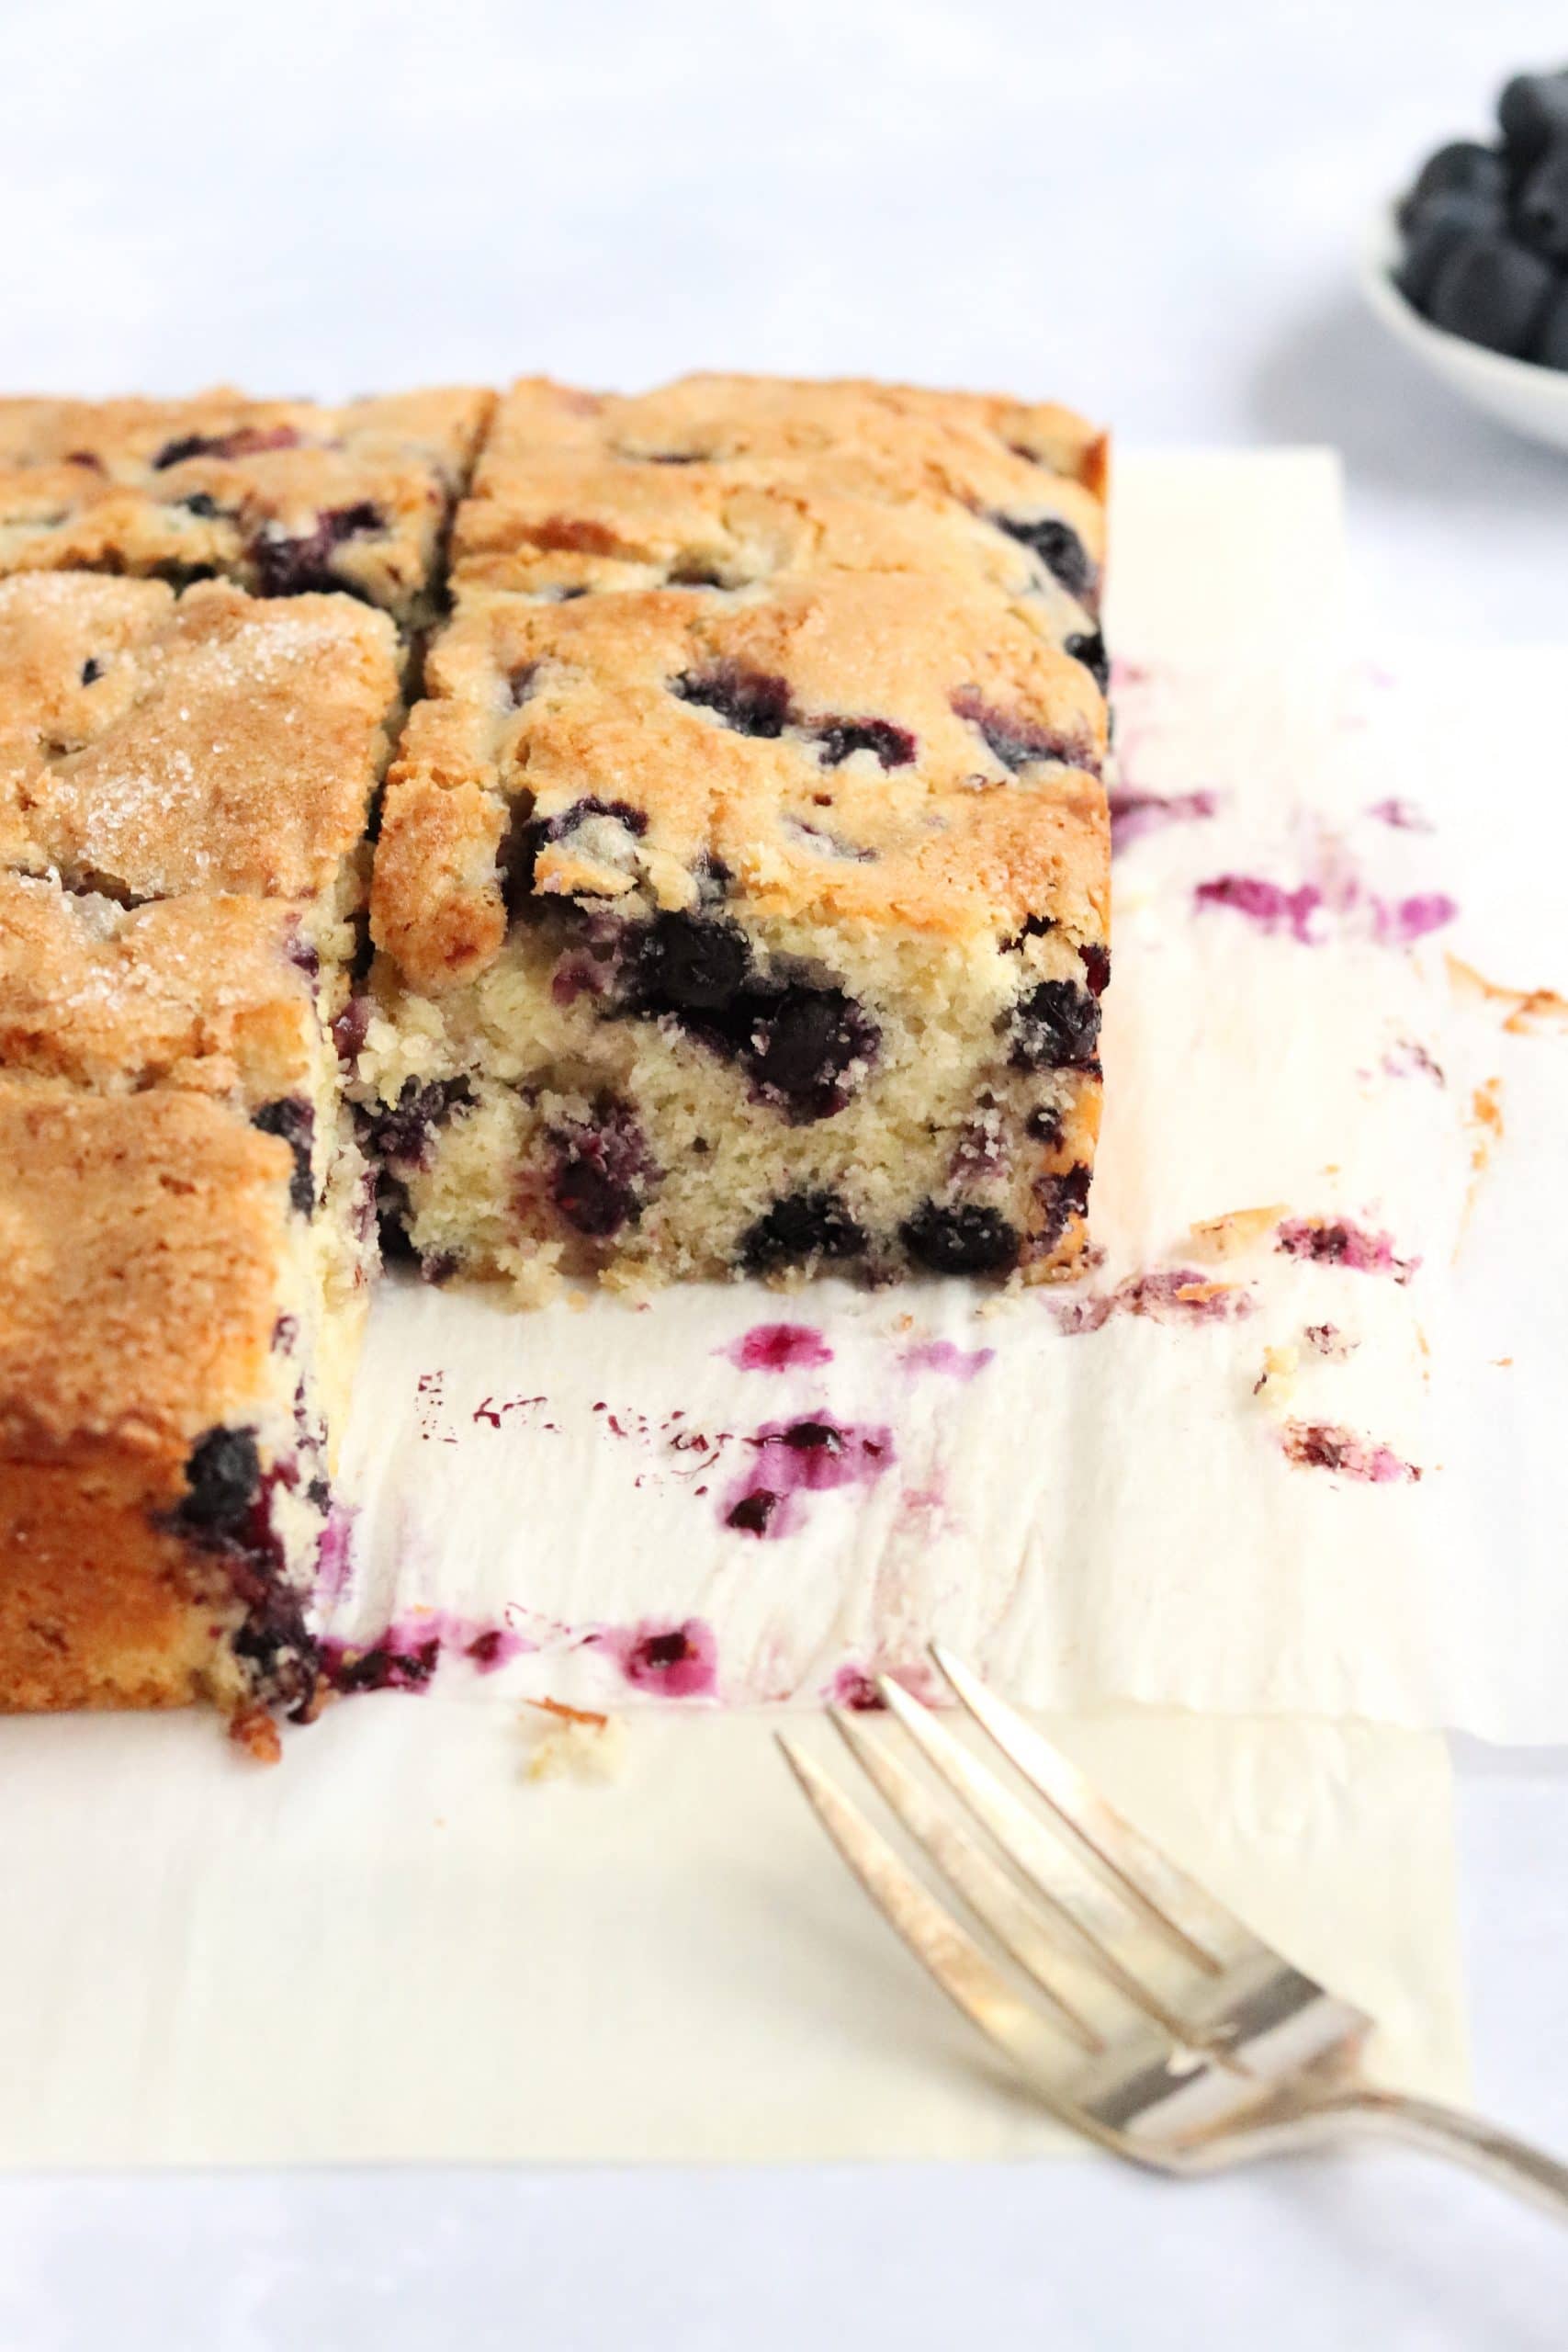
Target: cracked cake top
[
  {"x": 142, "y": 1236},
  {"x": 879, "y": 749},
  {"x": 150, "y": 744},
  {"x": 745, "y": 477},
  {"x": 214, "y": 994},
  {"x": 284, "y": 497}
]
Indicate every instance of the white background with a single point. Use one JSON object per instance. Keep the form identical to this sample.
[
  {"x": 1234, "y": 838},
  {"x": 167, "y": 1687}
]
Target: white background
[{"x": 1152, "y": 210}]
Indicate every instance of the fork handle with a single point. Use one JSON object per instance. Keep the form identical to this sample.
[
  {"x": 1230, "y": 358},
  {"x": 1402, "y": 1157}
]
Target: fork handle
[{"x": 1498, "y": 2155}]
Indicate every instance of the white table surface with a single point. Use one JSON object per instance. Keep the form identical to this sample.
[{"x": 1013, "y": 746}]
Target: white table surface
[{"x": 1151, "y": 210}]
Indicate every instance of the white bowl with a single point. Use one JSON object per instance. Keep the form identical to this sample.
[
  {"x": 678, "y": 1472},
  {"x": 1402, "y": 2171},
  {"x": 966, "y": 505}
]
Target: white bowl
[{"x": 1533, "y": 399}]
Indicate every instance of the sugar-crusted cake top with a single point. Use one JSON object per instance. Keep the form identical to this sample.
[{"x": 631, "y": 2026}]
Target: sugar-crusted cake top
[
  {"x": 746, "y": 475},
  {"x": 882, "y": 749},
  {"x": 142, "y": 1236},
  {"x": 152, "y": 745},
  {"x": 210, "y": 993},
  {"x": 282, "y": 496}
]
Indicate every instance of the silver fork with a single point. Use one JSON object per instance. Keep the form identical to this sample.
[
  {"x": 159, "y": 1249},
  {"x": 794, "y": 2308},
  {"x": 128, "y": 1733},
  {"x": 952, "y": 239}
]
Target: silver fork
[{"x": 1149, "y": 2017}]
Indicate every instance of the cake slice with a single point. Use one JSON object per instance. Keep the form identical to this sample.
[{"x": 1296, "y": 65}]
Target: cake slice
[
  {"x": 281, "y": 497},
  {"x": 153, "y": 745},
  {"x": 186, "y": 784},
  {"x": 742, "y": 933},
  {"x": 163, "y": 1485}
]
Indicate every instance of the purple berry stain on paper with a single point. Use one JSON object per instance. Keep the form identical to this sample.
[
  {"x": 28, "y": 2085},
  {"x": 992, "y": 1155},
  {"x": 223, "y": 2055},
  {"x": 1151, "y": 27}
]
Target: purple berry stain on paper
[
  {"x": 1304, "y": 913},
  {"x": 779, "y": 1346},
  {"x": 334, "y": 1556},
  {"x": 1334, "y": 1241},
  {"x": 1318, "y": 1445},
  {"x": 406, "y": 1654},
  {"x": 677, "y": 1661},
  {"x": 1132, "y": 814},
  {"x": 791, "y": 1459},
  {"x": 946, "y": 1356}
]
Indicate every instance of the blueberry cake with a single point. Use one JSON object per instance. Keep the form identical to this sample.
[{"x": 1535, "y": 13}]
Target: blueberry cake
[
  {"x": 282, "y": 497},
  {"x": 738, "y": 906},
  {"x": 163, "y": 1489},
  {"x": 735, "y": 933}
]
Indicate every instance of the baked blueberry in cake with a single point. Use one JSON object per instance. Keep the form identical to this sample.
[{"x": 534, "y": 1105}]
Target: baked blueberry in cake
[
  {"x": 745, "y": 932},
  {"x": 282, "y": 497}
]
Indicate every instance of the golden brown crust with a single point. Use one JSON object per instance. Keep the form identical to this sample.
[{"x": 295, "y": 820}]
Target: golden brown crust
[
  {"x": 99, "y": 1605},
  {"x": 203, "y": 993},
  {"x": 536, "y": 710},
  {"x": 777, "y": 418},
  {"x": 152, "y": 745},
  {"x": 733, "y": 479},
  {"x": 276, "y": 495},
  {"x": 143, "y": 1236}
]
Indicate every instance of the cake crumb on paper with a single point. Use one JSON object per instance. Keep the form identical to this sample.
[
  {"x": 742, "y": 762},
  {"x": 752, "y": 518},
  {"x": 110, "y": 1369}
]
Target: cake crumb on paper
[
  {"x": 1218, "y": 1237},
  {"x": 1275, "y": 1385},
  {"x": 574, "y": 1742}
]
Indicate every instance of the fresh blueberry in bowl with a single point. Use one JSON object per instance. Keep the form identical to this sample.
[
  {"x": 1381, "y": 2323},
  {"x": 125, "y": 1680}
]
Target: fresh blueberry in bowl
[{"x": 1471, "y": 270}]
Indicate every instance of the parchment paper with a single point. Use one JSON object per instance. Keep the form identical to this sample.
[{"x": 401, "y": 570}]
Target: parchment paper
[
  {"x": 1211, "y": 1474},
  {"x": 398, "y": 1945}
]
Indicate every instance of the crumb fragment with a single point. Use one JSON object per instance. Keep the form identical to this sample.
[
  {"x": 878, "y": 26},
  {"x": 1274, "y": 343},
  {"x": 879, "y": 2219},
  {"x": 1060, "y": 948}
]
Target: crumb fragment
[
  {"x": 1275, "y": 1385},
  {"x": 1485, "y": 1123},
  {"x": 254, "y": 1730},
  {"x": 575, "y": 1743},
  {"x": 1240, "y": 1229},
  {"x": 1531, "y": 1012}
]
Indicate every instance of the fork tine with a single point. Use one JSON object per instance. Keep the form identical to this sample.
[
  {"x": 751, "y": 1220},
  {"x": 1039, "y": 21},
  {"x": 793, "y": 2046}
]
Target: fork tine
[
  {"x": 1091, "y": 2010},
  {"x": 1183, "y": 1910},
  {"x": 945, "y": 1949},
  {"x": 1101, "y": 1916}
]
